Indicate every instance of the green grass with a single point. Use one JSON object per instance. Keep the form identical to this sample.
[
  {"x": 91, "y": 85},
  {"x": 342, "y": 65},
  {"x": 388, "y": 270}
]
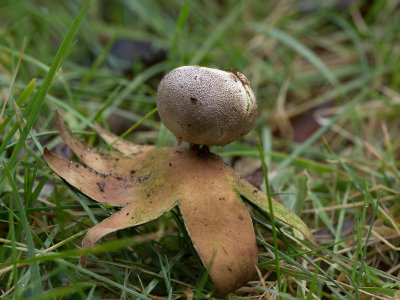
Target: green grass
[{"x": 336, "y": 66}]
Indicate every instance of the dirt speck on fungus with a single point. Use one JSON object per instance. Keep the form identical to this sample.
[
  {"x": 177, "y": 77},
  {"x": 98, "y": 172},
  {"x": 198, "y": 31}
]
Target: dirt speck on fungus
[
  {"x": 101, "y": 185},
  {"x": 141, "y": 179}
]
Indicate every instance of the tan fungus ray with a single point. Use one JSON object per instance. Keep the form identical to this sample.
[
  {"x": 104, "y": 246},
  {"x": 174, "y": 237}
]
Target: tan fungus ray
[{"x": 198, "y": 181}]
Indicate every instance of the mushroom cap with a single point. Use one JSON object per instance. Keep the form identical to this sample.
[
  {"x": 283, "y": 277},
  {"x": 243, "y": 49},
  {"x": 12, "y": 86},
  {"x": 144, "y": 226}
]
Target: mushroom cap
[{"x": 206, "y": 106}]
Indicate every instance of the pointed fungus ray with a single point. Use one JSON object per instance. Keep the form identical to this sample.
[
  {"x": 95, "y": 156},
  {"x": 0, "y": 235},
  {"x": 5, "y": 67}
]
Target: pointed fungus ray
[
  {"x": 258, "y": 198},
  {"x": 101, "y": 187},
  {"x": 122, "y": 146},
  {"x": 133, "y": 214},
  {"x": 219, "y": 225},
  {"x": 102, "y": 160}
]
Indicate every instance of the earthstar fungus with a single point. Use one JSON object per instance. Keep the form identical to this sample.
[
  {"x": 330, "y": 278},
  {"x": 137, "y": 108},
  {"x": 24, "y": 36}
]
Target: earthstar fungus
[{"x": 148, "y": 181}]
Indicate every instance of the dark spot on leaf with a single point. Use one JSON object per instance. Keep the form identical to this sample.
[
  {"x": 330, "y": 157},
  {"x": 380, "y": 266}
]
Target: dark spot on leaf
[
  {"x": 255, "y": 191},
  {"x": 149, "y": 194},
  {"x": 118, "y": 178},
  {"x": 132, "y": 172},
  {"x": 193, "y": 100},
  {"x": 76, "y": 166},
  {"x": 101, "y": 186},
  {"x": 170, "y": 164},
  {"x": 127, "y": 214},
  {"x": 240, "y": 217},
  {"x": 143, "y": 178},
  {"x": 222, "y": 198},
  {"x": 229, "y": 269}
]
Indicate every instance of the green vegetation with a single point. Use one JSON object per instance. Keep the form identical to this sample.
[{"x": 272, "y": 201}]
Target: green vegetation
[{"x": 327, "y": 84}]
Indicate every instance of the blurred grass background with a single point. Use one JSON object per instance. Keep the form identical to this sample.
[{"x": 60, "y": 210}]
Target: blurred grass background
[{"x": 326, "y": 76}]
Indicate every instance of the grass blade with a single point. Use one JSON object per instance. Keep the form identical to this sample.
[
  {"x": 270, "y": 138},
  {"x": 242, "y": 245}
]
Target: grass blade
[
  {"x": 40, "y": 95},
  {"x": 271, "y": 216},
  {"x": 33, "y": 266},
  {"x": 301, "y": 49}
]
